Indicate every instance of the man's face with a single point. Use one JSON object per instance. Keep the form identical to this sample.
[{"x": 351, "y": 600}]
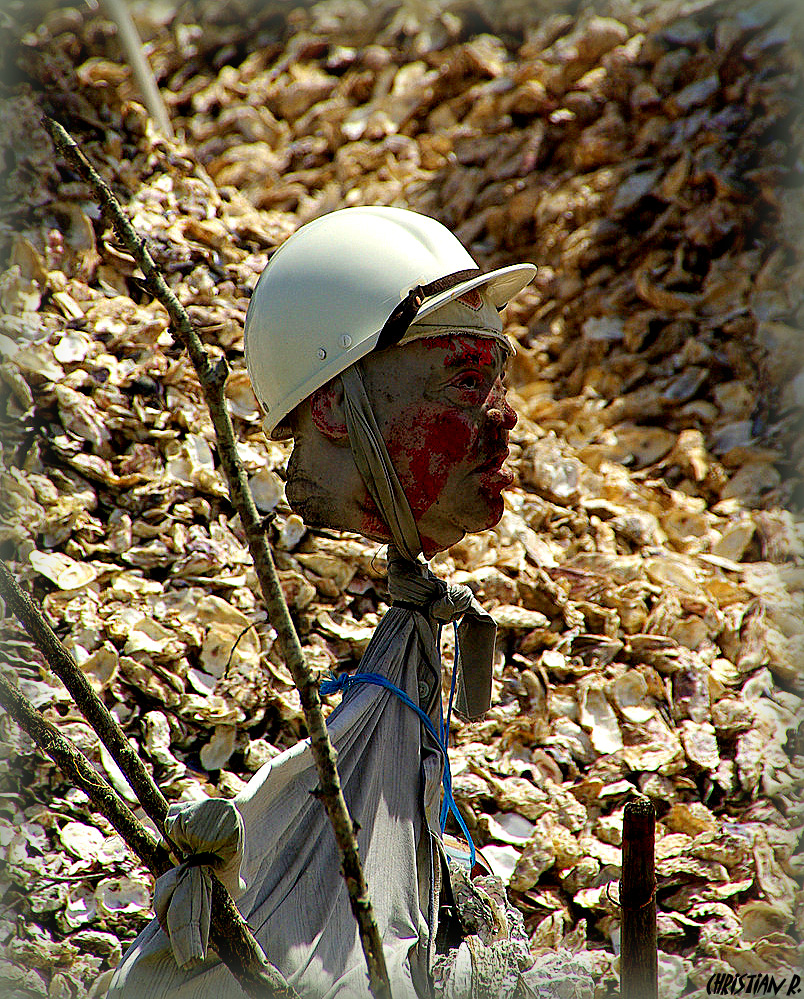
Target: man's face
[{"x": 441, "y": 408}]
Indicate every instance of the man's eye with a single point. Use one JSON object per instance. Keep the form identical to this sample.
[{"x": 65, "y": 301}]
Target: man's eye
[{"x": 470, "y": 380}]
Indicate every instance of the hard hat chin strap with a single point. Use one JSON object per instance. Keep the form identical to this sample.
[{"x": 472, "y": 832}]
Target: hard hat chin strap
[
  {"x": 403, "y": 315},
  {"x": 375, "y": 466}
]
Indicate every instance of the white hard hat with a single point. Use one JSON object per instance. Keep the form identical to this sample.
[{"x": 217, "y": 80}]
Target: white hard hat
[{"x": 349, "y": 282}]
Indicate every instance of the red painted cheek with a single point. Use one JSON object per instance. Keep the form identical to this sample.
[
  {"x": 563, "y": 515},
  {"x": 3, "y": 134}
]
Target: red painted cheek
[
  {"x": 426, "y": 444},
  {"x": 422, "y": 448},
  {"x": 371, "y": 523}
]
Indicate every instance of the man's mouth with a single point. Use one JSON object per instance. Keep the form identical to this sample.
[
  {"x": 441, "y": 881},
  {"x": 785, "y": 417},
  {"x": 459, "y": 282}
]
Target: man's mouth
[
  {"x": 495, "y": 463},
  {"x": 493, "y": 475}
]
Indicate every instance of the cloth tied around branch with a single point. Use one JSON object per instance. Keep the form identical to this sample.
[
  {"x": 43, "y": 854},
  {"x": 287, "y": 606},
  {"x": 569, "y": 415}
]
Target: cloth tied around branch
[{"x": 210, "y": 836}]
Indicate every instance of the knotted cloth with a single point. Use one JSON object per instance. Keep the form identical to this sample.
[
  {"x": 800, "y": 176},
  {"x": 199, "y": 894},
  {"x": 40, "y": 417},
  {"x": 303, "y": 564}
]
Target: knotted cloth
[
  {"x": 183, "y": 896},
  {"x": 275, "y": 849},
  {"x": 444, "y": 603}
]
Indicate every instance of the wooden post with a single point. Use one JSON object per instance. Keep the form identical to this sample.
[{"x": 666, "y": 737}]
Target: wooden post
[
  {"x": 131, "y": 44},
  {"x": 638, "y": 955}
]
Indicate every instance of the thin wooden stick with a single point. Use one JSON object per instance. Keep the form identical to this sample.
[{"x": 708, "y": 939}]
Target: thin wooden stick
[
  {"x": 212, "y": 379},
  {"x": 77, "y": 768},
  {"x": 131, "y": 44},
  {"x": 638, "y": 954},
  {"x": 92, "y": 707},
  {"x": 229, "y": 933}
]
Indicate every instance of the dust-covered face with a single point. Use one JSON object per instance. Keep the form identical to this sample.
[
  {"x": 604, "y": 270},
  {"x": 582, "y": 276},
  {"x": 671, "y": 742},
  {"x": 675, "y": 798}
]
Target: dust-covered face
[{"x": 440, "y": 405}]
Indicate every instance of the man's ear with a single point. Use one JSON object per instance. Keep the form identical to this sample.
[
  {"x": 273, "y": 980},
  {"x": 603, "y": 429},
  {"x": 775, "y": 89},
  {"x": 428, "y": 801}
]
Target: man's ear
[{"x": 326, "y": 409}]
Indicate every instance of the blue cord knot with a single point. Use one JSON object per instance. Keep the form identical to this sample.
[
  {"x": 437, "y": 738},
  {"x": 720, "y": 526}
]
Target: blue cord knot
[
  {"x": 334, "y": 684},
  {"x": 346, "y": 680}
]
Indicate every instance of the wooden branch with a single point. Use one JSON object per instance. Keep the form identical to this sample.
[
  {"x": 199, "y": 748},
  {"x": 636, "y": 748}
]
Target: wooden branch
[
  {"x": 638, "y": 954},
  {"x": 92, "y": 707},
  {"x": 212, "y": 380},
  {"x": 77, "y": 768},
  {"x": 131, "y": 44},
  {"x": 229, "y": 932}
]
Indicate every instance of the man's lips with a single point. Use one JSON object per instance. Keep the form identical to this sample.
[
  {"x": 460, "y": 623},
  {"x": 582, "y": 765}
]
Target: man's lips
[
  {"x": 492, "y": 473},
  {"x": 494, "y": 463}
]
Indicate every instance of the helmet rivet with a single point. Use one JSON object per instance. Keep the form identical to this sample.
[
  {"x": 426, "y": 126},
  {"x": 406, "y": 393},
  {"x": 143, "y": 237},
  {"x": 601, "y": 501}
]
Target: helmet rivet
[
  {"x": 346, "y": 341},
  {"x": 322, "y": 353}
]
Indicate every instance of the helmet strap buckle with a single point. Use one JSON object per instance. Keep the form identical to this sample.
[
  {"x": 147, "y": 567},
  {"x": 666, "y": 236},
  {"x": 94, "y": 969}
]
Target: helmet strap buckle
[{"x": 396, "y": 326}]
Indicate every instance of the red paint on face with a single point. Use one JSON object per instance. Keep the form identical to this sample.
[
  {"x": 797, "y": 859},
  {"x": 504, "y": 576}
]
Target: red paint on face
[
  {"x": 371, "y": 523},
  {"x": 447, "y": 439},
  {"x": 438, "y": 441},
  {"x": 466, "y": 349}
]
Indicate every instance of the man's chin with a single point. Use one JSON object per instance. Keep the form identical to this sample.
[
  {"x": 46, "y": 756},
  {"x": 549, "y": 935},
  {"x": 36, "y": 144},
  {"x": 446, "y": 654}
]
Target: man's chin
[{"x": 486, "y": 513}]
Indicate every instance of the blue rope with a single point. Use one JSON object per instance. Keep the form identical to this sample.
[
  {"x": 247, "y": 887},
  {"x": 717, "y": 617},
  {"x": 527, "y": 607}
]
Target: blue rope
[
  {"x": 346, "y": 680},
  {"x": 445, "y": 737}
]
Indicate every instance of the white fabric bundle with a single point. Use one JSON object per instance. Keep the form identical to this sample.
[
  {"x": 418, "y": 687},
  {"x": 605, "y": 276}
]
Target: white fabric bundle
[{"x": 183, "y": 896}]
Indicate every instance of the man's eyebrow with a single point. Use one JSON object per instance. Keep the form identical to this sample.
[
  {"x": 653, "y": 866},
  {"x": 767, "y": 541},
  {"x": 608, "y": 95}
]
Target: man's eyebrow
[{"x": 472, "y": 355}]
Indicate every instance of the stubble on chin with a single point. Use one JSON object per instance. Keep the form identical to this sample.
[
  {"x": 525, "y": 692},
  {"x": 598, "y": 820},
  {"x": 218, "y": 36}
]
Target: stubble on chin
[
  {"x": 486, "y": 513},
  {"x": 307, "y": 499}
]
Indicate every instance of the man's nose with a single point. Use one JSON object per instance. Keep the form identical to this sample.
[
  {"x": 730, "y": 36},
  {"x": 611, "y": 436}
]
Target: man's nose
[{"x": 498, "y": 409}]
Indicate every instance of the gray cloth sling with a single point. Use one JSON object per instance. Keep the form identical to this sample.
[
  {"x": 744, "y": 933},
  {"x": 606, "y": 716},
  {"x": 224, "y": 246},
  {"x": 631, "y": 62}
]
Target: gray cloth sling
[
  {"x": 276, "y": 849},
  {"x": 477, "y": 630},
  {"x": 375, "y": 466}
]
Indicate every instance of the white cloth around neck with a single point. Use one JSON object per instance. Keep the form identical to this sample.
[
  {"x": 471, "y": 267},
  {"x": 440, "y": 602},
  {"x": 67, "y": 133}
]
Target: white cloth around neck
[{"x": 375, "y": 465}]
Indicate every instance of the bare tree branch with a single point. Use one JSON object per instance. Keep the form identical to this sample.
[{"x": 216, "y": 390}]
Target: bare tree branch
[
  {"x": 212, "y": 380},
  {"x": 92, "y": 707},
  {"x": 75, "y": 766},
  {"x": 229, "y": 933}
]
